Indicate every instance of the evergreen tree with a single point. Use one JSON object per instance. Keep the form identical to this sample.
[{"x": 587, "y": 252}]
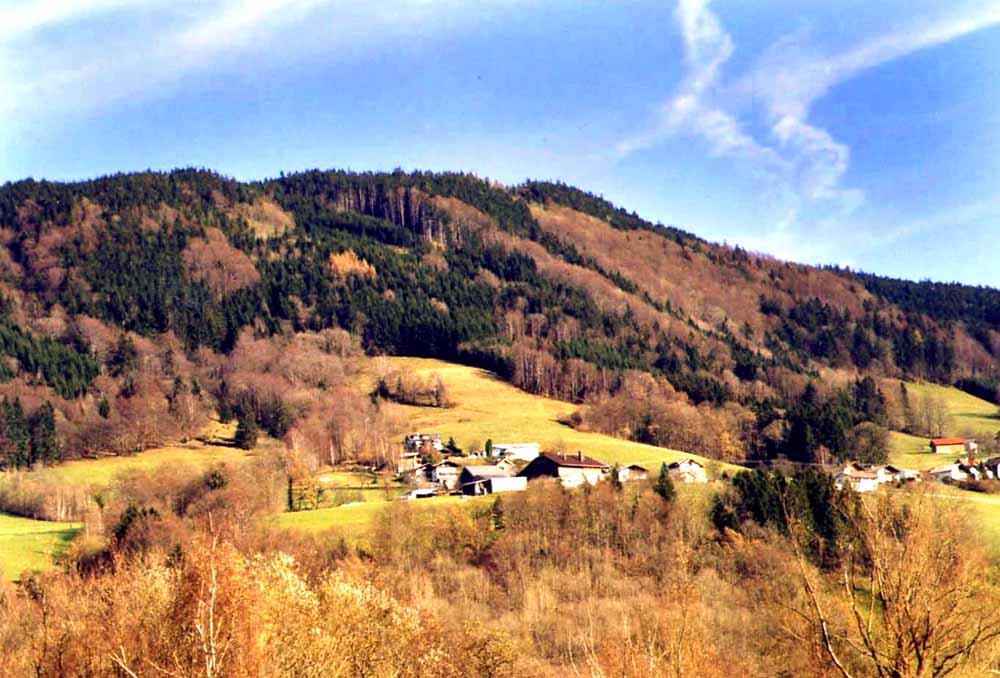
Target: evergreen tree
[
  {"x": 104, "y": 407},
  {"x": 17, "y": 433},
  {"x": 664, "y": 485},
  {"x": 246, "y": 431},
  {"x": 616, "y": 481},
  {"x": 44, "y": 441}
]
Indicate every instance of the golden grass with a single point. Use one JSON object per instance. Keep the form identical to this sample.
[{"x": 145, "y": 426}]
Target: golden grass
[
  {"x": 31, "y": 545},
  {"x": 488, "y": 408},
  {"x": 212, "y": 446},
  {"x": 353, "y": 521}
]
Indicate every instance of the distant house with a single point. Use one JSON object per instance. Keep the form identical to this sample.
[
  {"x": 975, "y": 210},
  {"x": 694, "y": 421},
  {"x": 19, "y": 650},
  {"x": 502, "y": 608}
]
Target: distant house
[
  {"x": 632, "y": 472},
  {"x": 859, "y": 481},
  {"x": 948, "y": 445},
  {"x": 523, "y": 451},
  {"x": 887, "y": 473},
  {"x": 572, "y": 470},
  {"x": 420, "y": 493},
  {"x": 687, "y": 471},
  {"x": 993, "y": 466},
  {"x": 511, "y": 465},
  {"x": 415, "y": 447},
  {"x": 489, "y": 479},
  {"x": 956, "y": 472},
  {"x": 445, "y": 474}
]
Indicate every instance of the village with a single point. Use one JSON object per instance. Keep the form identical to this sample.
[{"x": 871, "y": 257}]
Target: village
[{"x": 433, "y": 468}]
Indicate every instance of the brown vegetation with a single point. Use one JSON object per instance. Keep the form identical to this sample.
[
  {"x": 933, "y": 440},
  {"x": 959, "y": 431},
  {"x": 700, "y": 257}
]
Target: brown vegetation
[{"x": 215, "y": 262}]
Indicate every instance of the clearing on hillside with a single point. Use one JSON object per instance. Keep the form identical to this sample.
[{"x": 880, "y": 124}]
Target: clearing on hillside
[
  {"x": 27, "y": 544},
  {"x": 487, "y": 407},
  {"x": 968, "y": 413}
]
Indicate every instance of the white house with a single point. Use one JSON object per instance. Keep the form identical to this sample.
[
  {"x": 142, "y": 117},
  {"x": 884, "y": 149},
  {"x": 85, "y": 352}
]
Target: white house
[
  {"x": 859, "y": 481},
  {"x": 572, "y": 470},
  {"x": 522, "y": 451},
  {"x": 954, "y": 471},
  {"x": 445, "y": 474},
  {"x": 688, "y": 471},
  {"x": 488, "y": 479},
  {"x": 632, "y": 472}
]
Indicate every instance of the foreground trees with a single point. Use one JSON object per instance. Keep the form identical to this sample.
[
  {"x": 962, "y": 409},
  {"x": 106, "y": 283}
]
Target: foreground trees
[
  {"x": 191, "y": 579},
  {"x": 921, "y": 596}
]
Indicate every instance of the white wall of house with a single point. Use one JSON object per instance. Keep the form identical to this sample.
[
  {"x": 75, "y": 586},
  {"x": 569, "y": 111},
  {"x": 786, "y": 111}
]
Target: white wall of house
[
  {"x": 512, "y": 484},
  {"x": 524, "y": 451},
  {"x": 574, "y": 476}
]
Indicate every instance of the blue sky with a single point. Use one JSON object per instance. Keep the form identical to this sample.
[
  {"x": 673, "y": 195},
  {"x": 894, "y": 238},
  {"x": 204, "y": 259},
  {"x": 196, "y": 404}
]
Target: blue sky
[{"x": 857, "y": 133}]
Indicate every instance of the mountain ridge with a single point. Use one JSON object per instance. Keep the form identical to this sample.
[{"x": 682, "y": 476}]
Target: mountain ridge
[{"x": 555, "y": 289}]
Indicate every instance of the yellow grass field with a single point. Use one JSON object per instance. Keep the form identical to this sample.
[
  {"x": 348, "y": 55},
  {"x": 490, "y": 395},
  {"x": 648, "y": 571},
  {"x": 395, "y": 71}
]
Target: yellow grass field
[
  {"x": 208, "y": 449},
  {"x": 488, "y": 408},
  {"x": 31, "y": 544},
  {"x": 354, "y": 520}
]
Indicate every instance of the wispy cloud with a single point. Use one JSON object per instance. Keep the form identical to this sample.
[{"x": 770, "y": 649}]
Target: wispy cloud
[
  {"x": 801, "y": 163},
  {"x": 137, "y": 49}
]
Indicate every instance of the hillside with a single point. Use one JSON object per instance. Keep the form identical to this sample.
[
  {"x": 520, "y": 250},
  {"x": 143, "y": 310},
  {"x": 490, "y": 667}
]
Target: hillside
[
  {"x": 152, "y": 298},
  {"x": 487, "y": 408}
]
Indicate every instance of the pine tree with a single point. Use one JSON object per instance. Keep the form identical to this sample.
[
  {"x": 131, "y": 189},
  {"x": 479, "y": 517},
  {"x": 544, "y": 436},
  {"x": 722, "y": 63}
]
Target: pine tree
[
  {"x": 246, "y": 431},
  {"x": 104, "y": 407},
  {"x": 616, "y": 481},
  {"x": 44, "y": 441},
  {"x": 664, "y": 485},
  {"x": 18, "y": 437}
]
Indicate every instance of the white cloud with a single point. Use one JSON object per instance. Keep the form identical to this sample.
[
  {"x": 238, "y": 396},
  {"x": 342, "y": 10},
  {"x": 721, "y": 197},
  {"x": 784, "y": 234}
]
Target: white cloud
[
  {"x": 802, "y": 165},
  {"x": 139, "y": 49}
]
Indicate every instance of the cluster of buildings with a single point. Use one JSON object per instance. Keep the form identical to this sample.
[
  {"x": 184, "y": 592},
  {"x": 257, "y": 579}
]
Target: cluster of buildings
[
  {"x": 509, "y": 466},
  {"x": 965, "y": 468},
  {"x": 868, "y": 478}
]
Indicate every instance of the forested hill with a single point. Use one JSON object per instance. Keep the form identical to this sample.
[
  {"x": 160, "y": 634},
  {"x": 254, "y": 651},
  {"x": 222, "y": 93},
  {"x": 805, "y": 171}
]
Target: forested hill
[{"x": 556, "y": 289}]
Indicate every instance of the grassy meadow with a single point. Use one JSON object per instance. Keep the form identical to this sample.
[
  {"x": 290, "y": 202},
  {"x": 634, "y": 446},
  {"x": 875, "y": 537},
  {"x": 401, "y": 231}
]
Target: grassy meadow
[
  {"x": 487, "y": 407},
  {"x": 354, "y": 520},
  {"x": 31, "y": 544},
  {"x": 969, "y": 414},
  {"x": 212, "y": 446}
]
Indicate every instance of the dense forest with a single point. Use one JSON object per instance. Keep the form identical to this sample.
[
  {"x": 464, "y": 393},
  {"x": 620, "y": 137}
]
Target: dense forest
[{"x": 133, "y": 293}]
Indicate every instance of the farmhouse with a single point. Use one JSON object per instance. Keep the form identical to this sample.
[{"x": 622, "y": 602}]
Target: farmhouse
[
  {"x": 523, "y": 451},
  {"x": 859, "y": 481},
  {"x": 489, "y": 479},
  {"x": 632, "y": 472},
  {"x": 887, "y": 473},
  {"x": 687, "y": 471},
  {"x": 947, "y": 445},
  {"x": 445, "y": 474},
  {"x": 415, "y": 447},
  {"x": 956, "y": 472},
  {"x": 572, "y": 470}
]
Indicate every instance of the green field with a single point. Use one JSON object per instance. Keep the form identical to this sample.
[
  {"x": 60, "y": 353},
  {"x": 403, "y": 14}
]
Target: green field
[
  {"x": 487, "y": 407},
  {"x": 969, "y": 414},
  {"x": 31, "y": 544}
]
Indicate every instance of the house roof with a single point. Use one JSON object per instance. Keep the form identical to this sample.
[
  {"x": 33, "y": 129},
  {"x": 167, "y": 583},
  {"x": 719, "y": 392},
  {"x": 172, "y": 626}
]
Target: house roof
[
  {"x": 487, "y": 471},
  {"x": 947, "y": 441},
  {"x": 636, "y": 467},
  {"x": 682, "y": 462},
  {"x": 947, "y": 468},
  {"x": 574, "y": 460},
  {"x": 992, "y": 461}
]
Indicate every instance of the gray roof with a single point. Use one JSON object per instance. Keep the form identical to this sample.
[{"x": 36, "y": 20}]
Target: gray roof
[{"x": 487, "y": 471}]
